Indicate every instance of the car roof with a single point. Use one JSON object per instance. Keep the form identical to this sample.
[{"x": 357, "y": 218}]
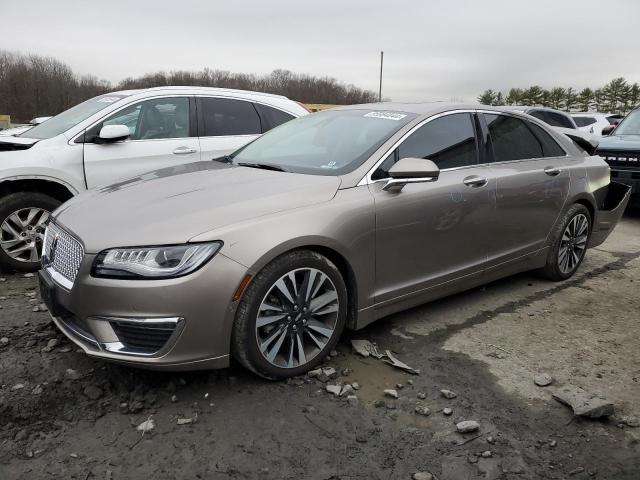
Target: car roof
[
  {"x": 431, "y": 108},
  {"x": 195, "y": 90},
  {"x": 526, "y": 108}
]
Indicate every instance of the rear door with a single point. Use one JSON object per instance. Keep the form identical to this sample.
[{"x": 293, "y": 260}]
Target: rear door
[
  {"x": 226, "y": 124},
  {"x": 430, "y": 233},
  {"x": 162, "y": 134},
  {"x": 532, "y": 174}
]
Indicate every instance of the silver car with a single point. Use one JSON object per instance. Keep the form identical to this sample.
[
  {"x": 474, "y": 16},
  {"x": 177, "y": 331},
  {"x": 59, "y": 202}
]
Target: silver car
[{"x": 329, "y": 221}]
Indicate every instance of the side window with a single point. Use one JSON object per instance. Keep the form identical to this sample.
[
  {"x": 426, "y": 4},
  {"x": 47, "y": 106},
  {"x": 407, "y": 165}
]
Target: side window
[
  {"x": 154, "y": 119},
  {"x": 511, "y": 139},
  {"x": 448, "y": 141},
  {"x": 223, "y": 116},
  {"x": 550, "y": 147},
  {"x": 272, "y": 117},
  {"x": 584, "y": 121},
  {"x": 558, "y": 120}
]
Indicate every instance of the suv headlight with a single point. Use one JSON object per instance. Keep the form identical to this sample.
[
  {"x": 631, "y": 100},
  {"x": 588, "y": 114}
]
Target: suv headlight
[{"x": 154, "y": 262}]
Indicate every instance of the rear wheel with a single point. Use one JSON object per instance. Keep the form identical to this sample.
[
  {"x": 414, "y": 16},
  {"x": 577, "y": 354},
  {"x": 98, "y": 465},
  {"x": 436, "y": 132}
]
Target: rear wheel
[
  {"x": 23, "y": 218},
  {"x": 290, "y": 316},
  {"x": 569, "y": 244}
]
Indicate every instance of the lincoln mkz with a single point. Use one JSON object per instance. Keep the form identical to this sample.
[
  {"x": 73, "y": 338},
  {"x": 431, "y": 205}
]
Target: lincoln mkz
[{"x": 328, "y": 221}]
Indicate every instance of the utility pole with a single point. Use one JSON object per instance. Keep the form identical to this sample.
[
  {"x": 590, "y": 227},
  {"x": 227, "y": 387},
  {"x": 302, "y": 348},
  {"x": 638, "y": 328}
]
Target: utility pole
[{"x": 380, "y": 90}]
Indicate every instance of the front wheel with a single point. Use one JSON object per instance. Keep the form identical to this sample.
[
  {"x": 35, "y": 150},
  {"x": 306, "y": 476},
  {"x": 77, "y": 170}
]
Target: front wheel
[
  {"x": 23, "y": 218},
  {"x": 568, "y": 244},
  {"x": 290, "y": 316}
]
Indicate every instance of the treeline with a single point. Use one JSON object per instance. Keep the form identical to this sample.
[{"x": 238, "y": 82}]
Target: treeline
[
  {"x": 617, "y": 96},
  {"x": 32, "y": 85}
]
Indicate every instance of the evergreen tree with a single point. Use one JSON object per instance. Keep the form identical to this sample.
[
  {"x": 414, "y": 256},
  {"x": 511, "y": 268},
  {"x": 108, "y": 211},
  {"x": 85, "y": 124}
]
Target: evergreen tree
[{"x": 487, "y": 98}]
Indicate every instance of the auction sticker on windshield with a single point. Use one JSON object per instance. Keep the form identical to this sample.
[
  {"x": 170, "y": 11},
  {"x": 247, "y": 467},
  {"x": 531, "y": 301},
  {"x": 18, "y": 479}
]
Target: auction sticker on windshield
[{"x": 386, "y": 115}]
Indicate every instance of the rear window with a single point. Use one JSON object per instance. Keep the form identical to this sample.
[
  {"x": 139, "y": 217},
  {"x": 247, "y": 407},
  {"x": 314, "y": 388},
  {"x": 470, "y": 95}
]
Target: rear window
[
  {"x": 223, "y": 116},
  {"x": 584, "y": 121},
  {"x": 272, "y": 117}
]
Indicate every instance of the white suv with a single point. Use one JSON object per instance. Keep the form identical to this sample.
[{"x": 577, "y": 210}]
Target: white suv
[
  {"x": 116, "y": 136},
  {"x": 594, "y": 122}
]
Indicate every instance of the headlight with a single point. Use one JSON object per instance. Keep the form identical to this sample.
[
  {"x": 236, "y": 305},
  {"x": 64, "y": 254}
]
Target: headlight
[{"x": 154, "y": 262}]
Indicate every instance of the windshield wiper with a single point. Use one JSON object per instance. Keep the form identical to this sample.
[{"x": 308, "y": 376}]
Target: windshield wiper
[
  {"x": 223, "y": 159},
  {"x": 264, "y": 166}
]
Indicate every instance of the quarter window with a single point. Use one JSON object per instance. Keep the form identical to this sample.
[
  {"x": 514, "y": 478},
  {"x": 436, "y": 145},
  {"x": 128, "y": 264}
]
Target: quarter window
[
  {"x": 272, "y": 117},
  {"x": 550, "y": 147},
  {"x": 512, "y": 139},
  {"x": 223, "y": 116},
  {"x": 154, "y": 119},
  {"x": 584, "y": 121}
]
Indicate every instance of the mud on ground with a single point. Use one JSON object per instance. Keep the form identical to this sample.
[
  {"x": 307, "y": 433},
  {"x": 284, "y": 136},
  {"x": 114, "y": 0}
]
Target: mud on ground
[{"x": 63, "y": 415}]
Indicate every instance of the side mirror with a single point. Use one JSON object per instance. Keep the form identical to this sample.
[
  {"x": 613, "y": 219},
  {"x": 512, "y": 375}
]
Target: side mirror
[
  {"x": 411, "y": 170},
  {"x": 114, "y": 133},
  {"x": 608, "y": 129}
]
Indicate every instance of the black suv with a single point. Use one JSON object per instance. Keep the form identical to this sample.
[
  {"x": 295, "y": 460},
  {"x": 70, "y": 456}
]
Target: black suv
[{"x": 620, "y": 148}]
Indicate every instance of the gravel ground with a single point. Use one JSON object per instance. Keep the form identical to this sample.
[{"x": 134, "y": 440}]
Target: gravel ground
[{"x": 63, "y": 415}]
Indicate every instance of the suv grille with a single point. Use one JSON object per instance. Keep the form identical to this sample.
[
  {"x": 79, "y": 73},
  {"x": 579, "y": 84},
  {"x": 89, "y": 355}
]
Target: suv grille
[
  {"x": 621, "y": 158},
  {"x": 62, "y": 252}
]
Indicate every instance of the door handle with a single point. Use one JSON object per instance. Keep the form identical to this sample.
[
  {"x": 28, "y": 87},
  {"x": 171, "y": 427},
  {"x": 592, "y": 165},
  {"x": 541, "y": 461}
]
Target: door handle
[
  {"x": 184, "y": 151},
  {"x": 552, "y": 171},
  {"x": 475, "y": 181}
]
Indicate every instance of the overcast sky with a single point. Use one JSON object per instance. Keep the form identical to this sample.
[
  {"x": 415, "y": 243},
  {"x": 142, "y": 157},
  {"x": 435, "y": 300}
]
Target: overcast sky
[{"x": 434, "y": 50}]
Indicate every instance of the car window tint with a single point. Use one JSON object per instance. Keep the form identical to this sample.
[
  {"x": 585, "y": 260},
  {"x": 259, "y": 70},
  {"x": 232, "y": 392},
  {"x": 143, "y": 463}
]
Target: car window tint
[
  {"x": 449, "y": 141},
  {"x": 584, "y": 121},
  {"x": 272, "y": 117},
  {"x": 539, "y": 114},
  {"x": 511, "y": 139},
  {"x": 154, "y": 119},
  {"x": 223, "y": 116},
  {"x": 559, "y": 120},
  {"x": 550, "y": 147}
]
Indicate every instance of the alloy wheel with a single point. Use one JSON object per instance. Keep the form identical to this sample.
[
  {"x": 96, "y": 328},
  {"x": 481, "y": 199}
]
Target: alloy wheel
[
  {"x": 573, "y": 243},
  {"x": 22, "y": 234},
  {"x": 297, "y": 318}
]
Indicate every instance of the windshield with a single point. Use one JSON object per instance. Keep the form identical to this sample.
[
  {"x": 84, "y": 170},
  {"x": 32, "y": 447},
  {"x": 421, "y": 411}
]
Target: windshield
[
  {"x": 630, "y": 125},
  {"x": 70, "y": 118},
  {"x": 332, "y": 142}
]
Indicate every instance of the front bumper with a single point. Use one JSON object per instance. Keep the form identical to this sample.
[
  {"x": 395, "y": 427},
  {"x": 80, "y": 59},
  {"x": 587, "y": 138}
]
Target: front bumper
[
  {"x": 610, "y": 212},
  {"x": 175, "y": 324}
]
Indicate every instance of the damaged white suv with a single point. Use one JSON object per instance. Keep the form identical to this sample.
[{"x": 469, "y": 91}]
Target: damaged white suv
[{"x": 116, "y": 136}]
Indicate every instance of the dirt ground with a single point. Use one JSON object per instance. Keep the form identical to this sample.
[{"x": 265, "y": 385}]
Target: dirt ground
[{"x": 63, "y": 415}]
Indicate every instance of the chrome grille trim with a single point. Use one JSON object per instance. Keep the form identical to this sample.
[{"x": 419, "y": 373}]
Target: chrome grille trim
[{"x": 62, "y": 255}]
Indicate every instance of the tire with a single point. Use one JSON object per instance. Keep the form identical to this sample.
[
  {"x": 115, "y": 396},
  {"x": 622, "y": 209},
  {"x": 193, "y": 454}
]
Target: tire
[
  {"x": 296, "y": 330},
  {"x": 16, "y": 208},
  {"x": 560, "y": 267}
]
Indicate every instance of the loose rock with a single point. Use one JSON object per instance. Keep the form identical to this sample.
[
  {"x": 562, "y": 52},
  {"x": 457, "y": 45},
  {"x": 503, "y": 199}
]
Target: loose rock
[
  {"x": 389, "y": 392},
  {"x": 583, "y": 403},
  {"x": 355, "y": 385},
  {"x": 448, "y": 394},
  {"x": 422, "y": 476},
  {"x": 92, "y": 392},
  {"x": 146, "y": 426},
  {"x": 543, "y": 379},
  {"x": 422, "y": 410},
  {"x": 4, "y": 341},
  {"x": 467, "y": 426},
  {"x": 335, "y": 389},
  {"x": 72, "y": 374},
  {"x": 421, "y": 396},
  {"x": 447, "y": 411},
  {"x": 353, "y": 400},
  {"x": 347, "y": 389}
]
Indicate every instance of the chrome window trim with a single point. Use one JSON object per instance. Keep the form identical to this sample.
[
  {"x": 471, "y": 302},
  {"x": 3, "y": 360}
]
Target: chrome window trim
[{"x": 366, "y": 180}]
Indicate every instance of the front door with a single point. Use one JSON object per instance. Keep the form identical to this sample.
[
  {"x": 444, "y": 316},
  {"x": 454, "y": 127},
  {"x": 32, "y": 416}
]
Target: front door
[
  {"x": 430, "y": 233},
  {"x": 162, "y": 134},
  {"x": 532, "y": 175}
]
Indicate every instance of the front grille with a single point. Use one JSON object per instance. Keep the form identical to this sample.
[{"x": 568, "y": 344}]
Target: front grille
[
  {"x": 62, "y": 252},
  {"x": 621, "y": 159},
  {"x": 143, "y": 337}
]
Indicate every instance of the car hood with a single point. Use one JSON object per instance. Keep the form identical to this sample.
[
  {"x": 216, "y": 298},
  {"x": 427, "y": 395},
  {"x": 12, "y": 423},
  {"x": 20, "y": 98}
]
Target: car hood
[
  {"x": 620, "y": 142},
  {"x": 173, "y": 205}
]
